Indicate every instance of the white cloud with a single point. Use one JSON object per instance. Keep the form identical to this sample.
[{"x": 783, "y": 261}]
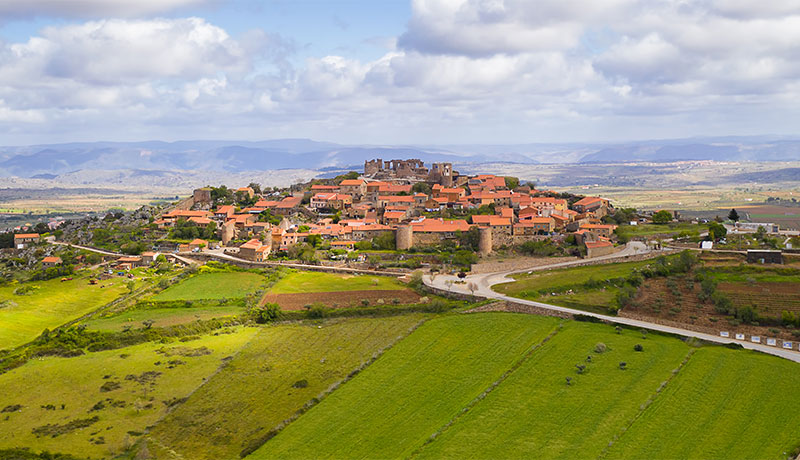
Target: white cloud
[
  {"x": 464, "y": 70},
  {"x": 90, "y": 8}
]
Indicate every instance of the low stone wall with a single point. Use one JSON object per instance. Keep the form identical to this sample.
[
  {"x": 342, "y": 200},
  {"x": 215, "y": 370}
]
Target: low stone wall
[
  {"x": 515, "y": 307},
  {"x": 313, "y": 268}
]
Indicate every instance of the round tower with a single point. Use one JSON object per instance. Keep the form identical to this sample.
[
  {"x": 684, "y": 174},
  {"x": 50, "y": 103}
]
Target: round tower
[
  {"x": 404, "y": 237},
  {"x": 485, "y": 241}
]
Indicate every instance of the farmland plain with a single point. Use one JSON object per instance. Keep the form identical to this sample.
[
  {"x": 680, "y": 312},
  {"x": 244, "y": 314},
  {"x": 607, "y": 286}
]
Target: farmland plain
[
  {"x": 259, "y": 388},
  {"x": 161, "y": 317},
  {"x": 212, "y": 285},
  {"x": 534, "y": 413},
  {"x": 50, "y": 304},
  {"x": 447, "y": 391},
  {"x": 722, "y": 404},
  {"x": 126, "y": 390},
  {"x": 414, "y": 389},
  {"x": 301, "y": 282}
]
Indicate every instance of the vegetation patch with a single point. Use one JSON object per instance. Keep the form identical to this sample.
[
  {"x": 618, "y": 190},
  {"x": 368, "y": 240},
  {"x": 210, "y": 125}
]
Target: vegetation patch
[
  {"x": 70, "y": 389},
  {"x": 55, "y": 430},
  {"x": 261, "y": 387},
  {"x": 213, "y": 285},
  {"x": 305, "y": 281},
  {"x": 722, "y": 404},
  {"x": 415, "y": 388},
  {"x": 51, "y": 304}
]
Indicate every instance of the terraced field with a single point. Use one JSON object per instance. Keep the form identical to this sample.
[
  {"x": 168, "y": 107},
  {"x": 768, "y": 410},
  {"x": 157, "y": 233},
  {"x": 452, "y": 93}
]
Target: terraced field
[
  {"x": 259, "y": 388},
  {"x": 161, "y": 317},
  {"x": 534, "y": 413},
  {"x": 478, "y": 387},
  {"x": 50, "y": 304},
  {"x": 213, "y": 285},
  {"x": 722, "y": 404},
  {"x": 303, "y": 282},
  {"x": 98, "y": 404},
  {"x": 417, "y": 387}
]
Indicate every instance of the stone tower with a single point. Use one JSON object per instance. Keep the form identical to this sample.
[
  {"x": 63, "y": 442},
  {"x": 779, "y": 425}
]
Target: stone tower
[
  {"x": 485, "y": 241},
  {"x": 442, "y": 174},
  {"x": 404, "y": 237}
]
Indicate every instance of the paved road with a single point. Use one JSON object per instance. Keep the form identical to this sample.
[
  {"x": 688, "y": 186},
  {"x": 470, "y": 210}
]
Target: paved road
[
  {"x": 220, "y": 254},
  {"x": 484, "y": 283},
  {"x": 99, "y": 251}
]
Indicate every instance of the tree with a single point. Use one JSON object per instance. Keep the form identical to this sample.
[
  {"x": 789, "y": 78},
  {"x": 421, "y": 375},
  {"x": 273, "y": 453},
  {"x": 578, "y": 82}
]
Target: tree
[
  {"x": 148, "y": 323},
  {"x": 256, "y": 187},
  {"x": 716, "y": 231},
  {"x": 733, "y": 215},
  {"x": 662, "y": 217},
  {"x": 511, "y": 182},
  {"x": 421, "y": 187},
  {"x": 268, "y": 313}
]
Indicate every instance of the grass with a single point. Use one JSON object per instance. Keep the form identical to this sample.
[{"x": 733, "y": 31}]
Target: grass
[
  {"x": 661, "y": 229},
  {"x": 128, "y": 410},
  {"x": 51, "y": 304},
  {"x": 254, "y": 393},
  {"x": 723, "y": 404},
  {"x": 213, "y": 285},
  {"x": 161, "y": 317},
  {"x": 756, "y": 274},
  {"x": 413, "y": 390},
  {"x": 528, "y": 285},
  {"x": 535, "y": 414},
  {"x": 593, "y": 300},
  {"x": 304, "y": 281}
]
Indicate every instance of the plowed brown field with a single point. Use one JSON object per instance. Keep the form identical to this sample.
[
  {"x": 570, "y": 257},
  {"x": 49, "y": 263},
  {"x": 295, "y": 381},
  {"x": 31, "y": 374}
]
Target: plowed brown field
[{"x": 341, "y": 299}]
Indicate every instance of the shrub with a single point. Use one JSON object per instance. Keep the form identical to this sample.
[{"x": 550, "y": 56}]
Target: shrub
[
  {"x": 317, "y": 311},
  {"x": 268, "y": 313},
  {"x": 600, "y": 348},
  {"x": 638, "y": 347},
  {"x": 623, "y": 365},
  {"x": 300, "y": 384}
]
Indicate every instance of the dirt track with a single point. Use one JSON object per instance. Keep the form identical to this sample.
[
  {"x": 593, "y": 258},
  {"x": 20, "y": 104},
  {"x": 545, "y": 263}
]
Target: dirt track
[{"x": 341, "y": 299}]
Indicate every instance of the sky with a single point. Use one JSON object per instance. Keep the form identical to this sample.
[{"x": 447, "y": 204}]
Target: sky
[{"x": 397, "y": 72}]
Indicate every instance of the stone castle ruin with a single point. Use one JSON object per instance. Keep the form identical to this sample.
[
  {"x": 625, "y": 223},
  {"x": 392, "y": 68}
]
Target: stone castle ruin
[{"x": 412, "y": 170}]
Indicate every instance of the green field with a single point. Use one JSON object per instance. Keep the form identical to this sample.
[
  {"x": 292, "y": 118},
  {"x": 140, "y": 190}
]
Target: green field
[
  {"x": 255, "y": 392},
  {"x": 392, "y": 407},
  {"x": 212, "y": 285},
  {"x": 722, "y": 404},
  {"x": 669, "y": 229},
  {"x": 535, "y": 414},
  {"x": 749, "y": 274},
  {"x": 303, "y": 281},
  {"x": 51, "y": 304},
  {"x": 463, "y": 386},
  {"x": 122, "y": 413},
  {"x": 528, "y": 285},
  {"x": 161, "y": 317}
]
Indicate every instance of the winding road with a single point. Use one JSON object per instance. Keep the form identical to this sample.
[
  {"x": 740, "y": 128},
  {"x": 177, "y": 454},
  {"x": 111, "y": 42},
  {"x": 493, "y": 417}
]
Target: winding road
[{"x": 485, "y": 281}]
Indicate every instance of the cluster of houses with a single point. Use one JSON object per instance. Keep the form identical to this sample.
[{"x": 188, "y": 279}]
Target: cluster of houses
[{"x": 385, "y": 200}]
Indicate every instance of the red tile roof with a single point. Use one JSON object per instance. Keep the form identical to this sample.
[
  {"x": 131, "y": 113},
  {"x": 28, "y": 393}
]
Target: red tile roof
[
  {"x": 440, "y": 225},
  {"x": 598, "y": 244},
  {"x": 52, "y": 260},
  {"x": 585, "y": 201},
  {"x": 492, "y": 221},
  {"x": 252, "y": 244},
  {"x": 351, "y": 182},
  {"x": 26, "y": 235}
]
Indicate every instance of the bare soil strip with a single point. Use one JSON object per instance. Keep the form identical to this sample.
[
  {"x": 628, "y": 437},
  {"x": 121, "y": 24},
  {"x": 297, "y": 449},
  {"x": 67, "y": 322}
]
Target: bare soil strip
[{"x": 342, "y": 299}]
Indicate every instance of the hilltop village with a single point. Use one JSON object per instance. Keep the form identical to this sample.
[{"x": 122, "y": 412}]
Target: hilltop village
[{"x": 397, "y": 204}]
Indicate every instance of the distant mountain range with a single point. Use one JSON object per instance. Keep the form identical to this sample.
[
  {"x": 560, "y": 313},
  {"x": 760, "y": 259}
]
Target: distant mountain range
[{"x": 53, "y": 160}]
